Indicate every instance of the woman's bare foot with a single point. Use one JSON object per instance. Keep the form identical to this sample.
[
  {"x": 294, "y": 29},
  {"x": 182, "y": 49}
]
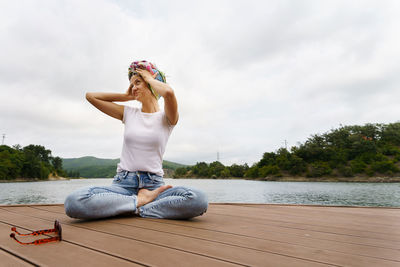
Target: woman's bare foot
[{"x": 146, "y": 196}]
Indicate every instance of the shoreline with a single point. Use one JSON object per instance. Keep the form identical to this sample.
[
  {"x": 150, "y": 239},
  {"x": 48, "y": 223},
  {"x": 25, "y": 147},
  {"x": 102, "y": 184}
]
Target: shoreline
[
  {"x": 336, "y": 180},
  {"x": 268, "y": 179},
  {"x": 21, "y": 180},
  {"x": 357, "y": 179}
]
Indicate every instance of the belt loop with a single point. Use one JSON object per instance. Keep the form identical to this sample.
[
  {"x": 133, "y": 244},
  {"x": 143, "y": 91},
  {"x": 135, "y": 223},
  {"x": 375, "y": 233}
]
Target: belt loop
[
  {"x": 148, "y": 174},
  {"x": 126, "y": 174}
]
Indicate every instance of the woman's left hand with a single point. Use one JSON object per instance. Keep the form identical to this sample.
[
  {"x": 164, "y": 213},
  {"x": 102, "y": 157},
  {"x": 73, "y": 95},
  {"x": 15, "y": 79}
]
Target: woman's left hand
[{"x": 146, "y": 75}]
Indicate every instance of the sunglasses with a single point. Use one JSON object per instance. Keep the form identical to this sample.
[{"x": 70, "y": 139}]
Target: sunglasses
[{"x": 57, "y": 229}]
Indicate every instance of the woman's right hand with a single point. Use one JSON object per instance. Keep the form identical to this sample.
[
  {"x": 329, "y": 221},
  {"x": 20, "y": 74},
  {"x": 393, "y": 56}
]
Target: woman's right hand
[{"x": 129, "y": 93}]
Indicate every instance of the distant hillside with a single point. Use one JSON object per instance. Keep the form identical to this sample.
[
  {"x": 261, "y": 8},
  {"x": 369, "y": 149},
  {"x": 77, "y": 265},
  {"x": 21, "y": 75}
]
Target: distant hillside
[
  {"x": 92, "y": 167},
  {"x": 76, "y": 163},
  {"x": 171, "y": 165}
]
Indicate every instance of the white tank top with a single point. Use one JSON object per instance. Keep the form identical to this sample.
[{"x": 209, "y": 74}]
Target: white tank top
[{"x": 145, "y": 138}]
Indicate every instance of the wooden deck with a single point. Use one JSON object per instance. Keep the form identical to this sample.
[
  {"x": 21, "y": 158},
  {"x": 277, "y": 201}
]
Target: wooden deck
[{"x": 227, "y": 235}]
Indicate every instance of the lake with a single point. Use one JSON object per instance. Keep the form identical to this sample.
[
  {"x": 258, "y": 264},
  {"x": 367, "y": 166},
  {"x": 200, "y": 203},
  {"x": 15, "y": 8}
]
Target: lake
[{"x": 232, "y": 191}]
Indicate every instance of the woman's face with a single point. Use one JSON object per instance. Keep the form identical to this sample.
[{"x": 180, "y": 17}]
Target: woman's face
[{"x": 140, "y": 90}]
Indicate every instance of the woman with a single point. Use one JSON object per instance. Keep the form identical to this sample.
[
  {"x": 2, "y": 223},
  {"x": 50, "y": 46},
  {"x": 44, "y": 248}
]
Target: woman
[{"x": 138, "y": 187}]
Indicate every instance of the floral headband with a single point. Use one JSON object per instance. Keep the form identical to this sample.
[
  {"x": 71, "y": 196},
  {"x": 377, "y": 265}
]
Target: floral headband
[{"x": 143, "y": 64}]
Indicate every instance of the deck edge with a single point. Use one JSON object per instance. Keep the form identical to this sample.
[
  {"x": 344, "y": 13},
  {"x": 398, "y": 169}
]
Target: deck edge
[{"x": 236, "y": 204}]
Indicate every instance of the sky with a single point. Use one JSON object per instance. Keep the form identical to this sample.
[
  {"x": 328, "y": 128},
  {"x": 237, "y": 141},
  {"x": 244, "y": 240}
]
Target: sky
[{"x": 250, "y": 76}]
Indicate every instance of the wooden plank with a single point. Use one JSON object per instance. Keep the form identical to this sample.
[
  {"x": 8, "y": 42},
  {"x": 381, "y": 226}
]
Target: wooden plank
[
  {"x": 118, "y": 246},
  {"x": 314, "y": 210},
  {"x": 304, "y": 212},
  {"x": 308, "y": 225},
  {"x": 8, "y": 260},
  {"x": 279, "y": 235},
  {"x": 393, "y": 211},
  {"x": 243, "y": 227},
  {"x": 266, "y": 231},
  {"x": 379, "y": 215},
  {"x": 316, "y": 253},
  {"x": 55, "y": 253},
  {"x": 226, "y": 253},
  {"x": 271, "y": 230},
  {"x": 374, "y": 216},
  {"x": 323, "y": 222}
]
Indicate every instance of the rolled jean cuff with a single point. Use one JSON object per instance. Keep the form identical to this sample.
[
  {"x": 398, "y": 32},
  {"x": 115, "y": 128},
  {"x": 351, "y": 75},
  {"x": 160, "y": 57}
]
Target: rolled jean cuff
[{"x": 137, "y": 211}]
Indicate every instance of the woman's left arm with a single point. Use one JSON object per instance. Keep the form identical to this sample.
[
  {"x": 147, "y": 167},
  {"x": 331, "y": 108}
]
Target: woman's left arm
[{"x": 164, "y": 90}]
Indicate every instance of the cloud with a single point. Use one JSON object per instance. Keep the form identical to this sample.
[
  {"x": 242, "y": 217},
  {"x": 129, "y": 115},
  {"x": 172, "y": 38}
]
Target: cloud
[{"x": 248, "y": 75}]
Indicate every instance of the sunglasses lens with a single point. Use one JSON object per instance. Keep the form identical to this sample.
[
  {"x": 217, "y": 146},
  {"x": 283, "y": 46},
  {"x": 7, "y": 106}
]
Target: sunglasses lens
[{"x": 58, "y": 228}]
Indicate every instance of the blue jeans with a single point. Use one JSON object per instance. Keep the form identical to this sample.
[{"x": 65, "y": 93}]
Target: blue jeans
[{"x": 121, "y": 198}]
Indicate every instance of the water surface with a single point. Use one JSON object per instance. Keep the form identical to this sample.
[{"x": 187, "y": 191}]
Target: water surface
[{"x": 232, "y": 191}]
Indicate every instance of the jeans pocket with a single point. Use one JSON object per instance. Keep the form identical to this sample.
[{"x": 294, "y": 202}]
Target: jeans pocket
[
  {"x": 157, "y": 178},
  {"x": 118, "y": 177}
]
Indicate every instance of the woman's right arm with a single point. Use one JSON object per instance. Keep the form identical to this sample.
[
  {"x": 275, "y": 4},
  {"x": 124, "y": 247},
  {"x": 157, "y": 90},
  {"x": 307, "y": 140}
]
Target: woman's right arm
[{"x": 104, "y": 102}]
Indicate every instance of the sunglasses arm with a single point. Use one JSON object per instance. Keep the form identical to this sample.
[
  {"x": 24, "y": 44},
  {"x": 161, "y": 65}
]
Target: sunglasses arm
[{"x": 38, "y": 241}]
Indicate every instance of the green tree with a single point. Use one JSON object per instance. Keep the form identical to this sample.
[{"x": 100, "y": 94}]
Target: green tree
[
  {"x": 270, "y": 170},
  {"x": 391, "y": 134},
  {"x": 345, "y": 171},
  {"x": 225, "y": 173},
  {"x": 11, "y": 162},
  {"x": 283, "y": 158},
  {"x": 269, "y": 158},
  {"x": 32, "y": 161},
  {"x": 358, "y": 166},
  {"x": 31, "y": 165},
  {"x": 297, "y": 165},
  {"x": 181, "y": 172},
  {"x": 238, "y": 170},
  {"x": 39, "y": 152},
  {"x": 57, "y": 163},
  {"x": 384, "y": 167},
  {"x": 200, "y": 169},
  {"x": 319, "y": 168},
  {"x": 252, "y": 172},
  {"x": 215, "y": 168}
]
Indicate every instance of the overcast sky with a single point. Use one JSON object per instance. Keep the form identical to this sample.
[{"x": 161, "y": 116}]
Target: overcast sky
[{"x": 248, "y": 75}]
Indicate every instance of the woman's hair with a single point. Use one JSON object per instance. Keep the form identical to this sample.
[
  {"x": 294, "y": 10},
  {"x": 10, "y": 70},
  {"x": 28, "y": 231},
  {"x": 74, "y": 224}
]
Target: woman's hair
[{"x": 143, "y": 64}]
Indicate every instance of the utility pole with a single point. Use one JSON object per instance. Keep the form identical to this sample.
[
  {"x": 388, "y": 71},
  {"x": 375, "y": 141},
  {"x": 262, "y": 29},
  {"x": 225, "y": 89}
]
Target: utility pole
[
  {"x": 217, "y": 155},
  {"x": 285, "y": 144},
  {"x": 4, "y": 137}
]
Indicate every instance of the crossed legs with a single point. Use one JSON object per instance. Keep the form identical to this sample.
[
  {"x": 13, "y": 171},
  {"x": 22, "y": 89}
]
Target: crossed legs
[{"x": 163, "y": 202}]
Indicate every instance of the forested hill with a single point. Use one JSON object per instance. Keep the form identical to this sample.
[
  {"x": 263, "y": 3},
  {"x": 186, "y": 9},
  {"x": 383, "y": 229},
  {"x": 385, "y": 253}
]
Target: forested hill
[
  {"x": 92, "y": 167},
  {"x": 75, "y": 163},
  {"x": 35, "y": 162},
  {"x": 349, "y": 151},
  {"x": 32, "y": 161},
  {"x": 371, "y": 150}
]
